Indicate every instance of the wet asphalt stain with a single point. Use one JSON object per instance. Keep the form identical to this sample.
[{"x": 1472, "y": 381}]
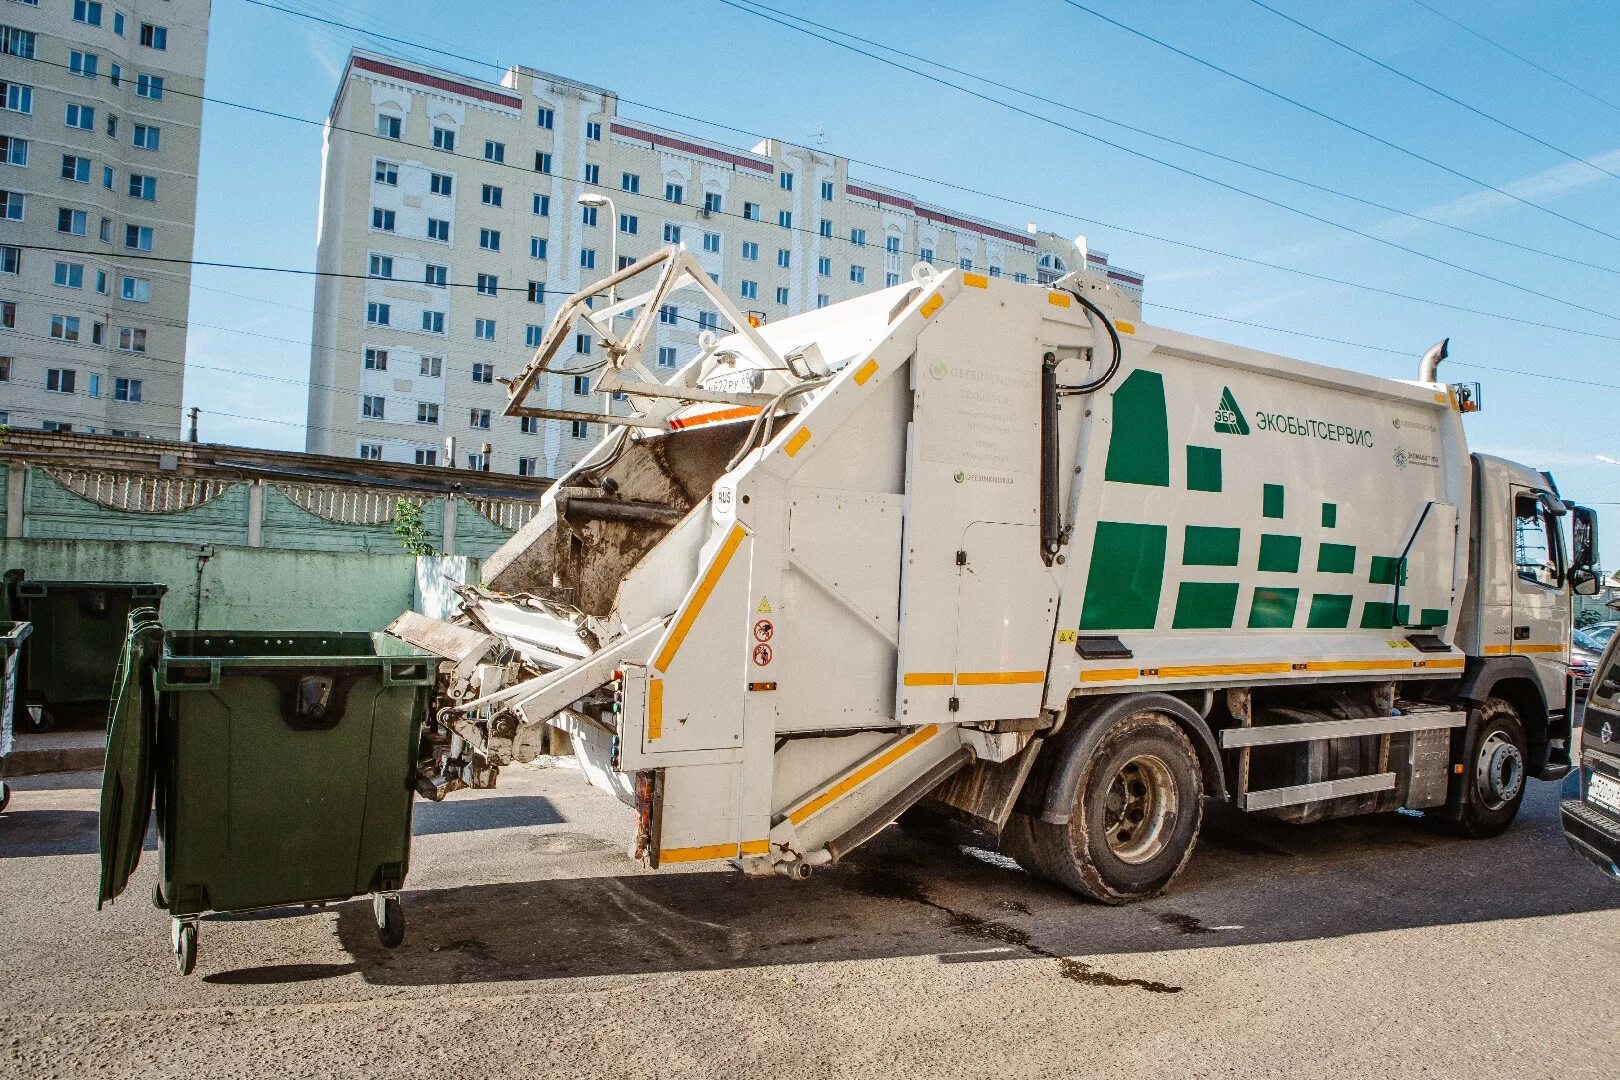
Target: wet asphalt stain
[
  {"x": 885, "y": 884},
  {"x": 1184, "y": 924},
  {"x": 1017, "y": 905}
]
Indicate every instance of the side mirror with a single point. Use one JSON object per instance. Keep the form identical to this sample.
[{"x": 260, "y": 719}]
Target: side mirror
[
  {"x": 1584, "y": 539},
  {"x": 1583, "y": 581}
]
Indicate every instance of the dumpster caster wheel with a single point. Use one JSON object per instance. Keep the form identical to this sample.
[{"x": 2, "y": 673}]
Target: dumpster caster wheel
[
  {"x": 390, "y": 916},
  {"x": 37, "y": 719},
  {"x": 183, "y": 942}
]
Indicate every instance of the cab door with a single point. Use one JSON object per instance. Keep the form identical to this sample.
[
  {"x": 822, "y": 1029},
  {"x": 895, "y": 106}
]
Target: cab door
[{"x": 1539, "y": 626}]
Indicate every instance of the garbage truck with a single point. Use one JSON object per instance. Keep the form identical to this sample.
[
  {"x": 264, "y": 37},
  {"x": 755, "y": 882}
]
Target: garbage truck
[{"x": 1000, "y": 551}]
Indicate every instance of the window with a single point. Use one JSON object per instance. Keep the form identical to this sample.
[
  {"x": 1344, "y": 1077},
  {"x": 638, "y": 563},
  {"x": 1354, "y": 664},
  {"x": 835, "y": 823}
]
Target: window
[
  {"x": 149, "y": 86},
  {"x": 87, "y": 12},
  {"x": 537, "y": 247},
  {"x": 382, "y": 220},
  {"x": 131, "y": 340},
  {"x": 8, "y": 315},
  {"x": 669, "y": 314},
  {"x": 825, "y": 227},
  {"x": 371, "y": 405},
  {"x": 16, "y": 98},
  {"x": 545, "y": 118},
  {"x": 154, "y": 37},
  {"x": 65, "y": 327},
  {"x": 750, "y": 251},
  {"x": 826, "y": 191},
  {"x": 81, "y": 116},
  {"x": 438, "y": 229},
  {"x": 60, "y": 380},
  {"x": 147, "y": 137},
  {"x": 587, "y": 215},
  {"x": 628, "y": 224},
  {"x": 666, "y": 356},
  {"x": 540, "y": 206},
  {"x": 427, "y": 412},
  {"x": 781, "y": 294},
  {"x": 106, "y": 230},
  {"x": 115, "y": 75},
  {"x": 376, "y": 359},
  {"x": 11, "y": 208},
  {"x": 478, "y": 462},
  {"x": 708, "y": 320},
  {"x": 13, "y": 151},
  {"x": 388, "y": 126},
  {"x": 630, "y": 182},
  {"x": 750, "y": 290},
  {"x": 672, "y": 233},
  {"x": 483, "y": 373},
  {"x": 711, "y": 241},
  {"x": 493, "y": 151},
  {"x": 112, "y": 127},
  {"x": 10, "y": 260},
  {"x": 76, "y": 168},
  {"x": 674, "y": 193},
  {"x": 492, "y": 195},
  {"x": 378, "y": 314},
  {"x": 751, "y": 211},
  {"x": 107, "y": 177},
  {"x": 532, "y": 335},
  {"x": 822, "y": 300},
  {"x": 579, "y": 429},
  {"x": 528, "y": 466},
  {"x": 381, "y": 266},
  {"x": 444, "y": 139},
  {"x": 484, "y": 329},
  {"x": 5, "y": 369},
  {"x": 489, "y": 284},
  {"x": 435, "y": 275},
  {"x": 489, "y": 239},
  {"x": 83, "y": 64},
  {"x": 857, "y": 274},
  {"x": 784, "y": 218},
  {"x": 537, "y": 292},
  {"x": 478, "y": 418},
  {"x": 587, "y": 259},
  {"x": 427, "y": 457},
  {"x": 441, "y": 184},
  {"x": 143, "y": 187},
  {"x": 432, "y": 366},
  {"x": 582, "y": 344},
  {"x": 926, "y": 254},
  {"x": 126, "y": 389},
  {"x": 890, "y": 279},
  {"x": 711, "y": 202},
  {"x": 69, "y": 275},
  {"x": 542, "y": 161},
  {"x": 370, "y": 451},
  {"x": 857, "y": 237},
  {"x": 786, "y": 180},
  {"x": 386, "y": 172},
  {"x": 824, "y": 266},
  {"x": 76, "y": 222},
  {"x": 784, "y": 258},
  {"x": 1022, "y": 279},
  {"x": 582, "y": 385},
  {"x": 995, "y": 271},
  {"x": 1537, "y": 543},
  {"x": 965, "y": 263},
  {"x": 593, "y": 131},
  {"x": 891, "y": 244},
  {"x": 433, "y": 322}
]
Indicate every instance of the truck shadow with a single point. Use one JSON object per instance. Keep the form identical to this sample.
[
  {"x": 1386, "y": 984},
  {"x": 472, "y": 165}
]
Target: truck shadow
[{"x": 1252, "y": 881}]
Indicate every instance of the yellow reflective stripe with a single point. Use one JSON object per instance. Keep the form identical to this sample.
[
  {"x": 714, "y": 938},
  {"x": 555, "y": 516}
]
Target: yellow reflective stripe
[
  {"x": 796, "y": 443},
  {"x": 927, "y": 678},
  {"x": 1355, "y": 665},
  {"x": 714, "y": 851},
  {"x": 1456, "y": 662},
  {"x": 931, "y": 305},
  {"x": 1496, "y": 650},
  {"x": 1059, "y": 299},
  {"x": 999, "y": 678},
  {"x": 865, "y": 371},
  {"x": 655, "y": 708},
  {"x": 1224, "y": 669},
  {"x": 976, "y": 281},
  {"x": 1522, "y": 647},
  {"x": 1109, "y": 674},
  {"x": 689, "y": 614},
  {"x": 1124, "y": 327},
  {"x": 738, "y": 413},
  {"x": 863, "y": 774}
]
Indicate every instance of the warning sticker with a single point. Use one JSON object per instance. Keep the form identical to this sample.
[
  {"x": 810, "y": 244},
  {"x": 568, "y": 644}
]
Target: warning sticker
[
  {"x": 764, "y": 606},
  {"x": 763, "y": 630},
  {"x": 762, "y": 654},
  {"x": 1067, "y": 637}
]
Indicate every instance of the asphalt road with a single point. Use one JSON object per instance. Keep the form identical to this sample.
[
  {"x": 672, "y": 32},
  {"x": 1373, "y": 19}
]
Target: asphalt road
[{"x": 535, "y": 947}]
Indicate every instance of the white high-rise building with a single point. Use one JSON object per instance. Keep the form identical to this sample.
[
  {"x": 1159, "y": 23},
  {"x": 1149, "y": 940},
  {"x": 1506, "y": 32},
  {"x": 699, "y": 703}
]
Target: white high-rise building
[
  {"x": 450, "y": 230},
  {"x": 100, "y": 117}
]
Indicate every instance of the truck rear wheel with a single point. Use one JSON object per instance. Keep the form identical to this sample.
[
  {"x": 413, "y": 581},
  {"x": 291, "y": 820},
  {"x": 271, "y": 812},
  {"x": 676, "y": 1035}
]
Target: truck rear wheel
[
  {"x": 1137, "y": 810},
  {"x": 1494, "y": 771}
]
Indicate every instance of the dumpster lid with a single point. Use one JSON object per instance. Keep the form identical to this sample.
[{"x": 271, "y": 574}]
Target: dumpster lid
[
  {"x": 127, "y": 776},
  {"x": 12, "y": 634}
]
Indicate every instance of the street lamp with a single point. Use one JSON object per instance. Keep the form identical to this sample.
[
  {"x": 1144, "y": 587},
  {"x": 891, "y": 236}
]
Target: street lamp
[{"x": 591, "y": 199}]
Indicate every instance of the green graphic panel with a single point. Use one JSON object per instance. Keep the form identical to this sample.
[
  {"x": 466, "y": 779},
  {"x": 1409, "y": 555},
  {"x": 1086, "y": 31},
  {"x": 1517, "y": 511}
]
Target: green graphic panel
[
  {"x": 1272, "y": 503},
  {"x": 1273, "y": 608},
  {"x": 1206, "y": 605},
  {"x": 1431, "y": 616},
  {"x": 1380, "y": 615},
  {"x": 1387, "y": 570},
  {"x": 1203, "y": 545},
  {"x": 1126, "y": 576},
  {"x": 1139, "y": 443},
  {"x": 1330, "y": 515},
  {"x": 1203, "y": 468},
  {"x": 1336, "y": 559},
  {"x": 1279, "y": 554},
  {"x": 1330, "y": 611}
]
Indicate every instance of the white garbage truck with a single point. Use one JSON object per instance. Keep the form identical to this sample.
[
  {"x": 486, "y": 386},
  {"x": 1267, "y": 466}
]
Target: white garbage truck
[{"x": 1000, "y": 551}]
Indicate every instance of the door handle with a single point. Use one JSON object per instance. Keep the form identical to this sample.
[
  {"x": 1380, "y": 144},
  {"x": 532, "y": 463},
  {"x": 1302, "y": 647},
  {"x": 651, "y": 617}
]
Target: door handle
[{"x": 1521, "y": 633}]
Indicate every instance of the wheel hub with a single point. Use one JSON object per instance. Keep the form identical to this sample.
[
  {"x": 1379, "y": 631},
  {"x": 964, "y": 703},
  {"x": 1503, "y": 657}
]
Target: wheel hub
[
  {"x": 1499, "y": 772},
  {"x": 1139, "y": 809}
]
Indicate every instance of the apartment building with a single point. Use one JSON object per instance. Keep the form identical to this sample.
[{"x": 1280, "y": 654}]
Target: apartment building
[
  {"x": 100, "y": 115},
  {"x": 451, "y": 227}
]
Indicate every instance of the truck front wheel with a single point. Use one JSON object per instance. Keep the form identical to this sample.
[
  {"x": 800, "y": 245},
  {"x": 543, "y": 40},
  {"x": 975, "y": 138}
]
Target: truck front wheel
[
  {"x": 1137, "y": 810},
  {"x": 1491, "y": 785}
]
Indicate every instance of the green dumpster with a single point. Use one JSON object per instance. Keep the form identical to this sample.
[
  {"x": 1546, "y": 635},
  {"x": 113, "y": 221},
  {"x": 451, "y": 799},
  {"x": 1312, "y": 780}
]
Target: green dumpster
[
  {"x": 283, "y": 769},
  {"x": 79, "y": 626},
  {"x": 11, "y": 639}
]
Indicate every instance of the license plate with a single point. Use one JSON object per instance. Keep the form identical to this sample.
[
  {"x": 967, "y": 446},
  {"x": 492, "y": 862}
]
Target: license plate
[{"x": 1604, "y": 791}]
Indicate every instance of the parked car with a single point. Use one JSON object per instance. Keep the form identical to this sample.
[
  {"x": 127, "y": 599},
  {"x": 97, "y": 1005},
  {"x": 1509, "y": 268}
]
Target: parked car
[
  {"x": 1601, "y": 632},
  {"x": 1591, "y": 818},
  {"x": 1584, "y": 653}
]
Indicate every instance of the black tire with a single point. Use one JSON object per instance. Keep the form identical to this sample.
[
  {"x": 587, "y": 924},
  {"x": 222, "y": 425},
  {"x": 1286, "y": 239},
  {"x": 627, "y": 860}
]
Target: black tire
[
  {"x": 184, "y": 945},
  {"x": 1137, "y": 811},
  {"x": 1495, "y": 757},
  {"x": 391, "y": 927}
]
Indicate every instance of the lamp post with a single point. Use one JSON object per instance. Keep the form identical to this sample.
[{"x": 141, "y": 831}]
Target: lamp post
[{"x": 592, "y": 199}]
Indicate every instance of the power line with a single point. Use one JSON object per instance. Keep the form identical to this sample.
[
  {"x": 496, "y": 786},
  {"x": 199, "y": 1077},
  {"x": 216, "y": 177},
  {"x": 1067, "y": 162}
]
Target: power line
[
  {"x": 1398, "y": 73},
  {"x": 1334, "y": 120}
]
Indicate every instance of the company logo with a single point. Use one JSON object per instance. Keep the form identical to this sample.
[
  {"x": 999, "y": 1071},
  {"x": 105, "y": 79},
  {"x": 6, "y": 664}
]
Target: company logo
[
  {"x": 1400, "y": 457},
  {"x": 939, "y": 369},
  {"x": 960, "y": 476},
  {"x": 1228, "y": 417}
]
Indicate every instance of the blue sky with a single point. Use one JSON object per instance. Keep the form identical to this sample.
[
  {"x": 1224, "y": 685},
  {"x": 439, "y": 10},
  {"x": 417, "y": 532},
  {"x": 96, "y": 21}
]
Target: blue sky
[{"x": 260, "y": 176}]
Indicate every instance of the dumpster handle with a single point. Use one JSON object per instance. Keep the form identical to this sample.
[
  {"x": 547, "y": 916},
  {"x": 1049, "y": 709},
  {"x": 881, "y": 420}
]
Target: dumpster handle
[
  {"x": 407, "y": 673},
  {"x": 188, "y": 675}
]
